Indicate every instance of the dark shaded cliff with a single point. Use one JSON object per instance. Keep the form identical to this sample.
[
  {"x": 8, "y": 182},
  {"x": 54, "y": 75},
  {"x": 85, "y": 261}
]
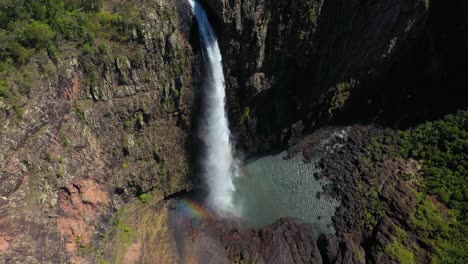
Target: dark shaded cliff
[{"x": 293, "y": 66}]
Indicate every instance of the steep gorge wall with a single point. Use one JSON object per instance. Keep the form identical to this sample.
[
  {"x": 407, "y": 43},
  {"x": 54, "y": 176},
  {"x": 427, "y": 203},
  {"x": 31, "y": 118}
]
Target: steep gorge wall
[
  {"x": 293, "y": 66},
  {"x": 97, "y": 131}
]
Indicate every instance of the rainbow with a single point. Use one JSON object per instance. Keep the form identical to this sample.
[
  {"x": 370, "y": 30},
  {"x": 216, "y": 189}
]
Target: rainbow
[{"x": 194, "y": 209}]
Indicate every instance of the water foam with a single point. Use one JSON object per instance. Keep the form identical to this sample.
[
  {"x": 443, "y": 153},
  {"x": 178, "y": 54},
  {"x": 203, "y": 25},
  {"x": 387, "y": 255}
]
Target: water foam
[{"x": 218, "y": 163}]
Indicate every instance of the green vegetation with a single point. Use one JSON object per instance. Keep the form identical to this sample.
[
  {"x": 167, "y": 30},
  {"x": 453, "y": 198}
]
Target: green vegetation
[
  {"x": 138, "y": 119},
  {"x": 128, "y": 124},
  {"x": 442, "y": 146},
  {"x": 124, "y": 232},
  {"x": 80, "y": 113},
  {"x": 245, "y": 116},
  {"x": 401, "y": 248},
  {"x": 313, "y": 12},
  {"x": 102, "y": 260},
  {"x": 378, "y": 148},
  {"x": 403, "y": 255},
  {"x": 341, "y": 96},
  {"x": 427, "y": 3},
  {"x": 241, "y": 259},
  {"x": 375, "y": 208},
  {"x": 39, "y": 28},
  {"x": 441, "y": 217},
  {"x": 440, "y": 230},
  {"x": 4, "y": 92},
  {"x": 59, "y": 173},
  {"x": 144, "y": 198},
  {"x": 136, "y": 223}
]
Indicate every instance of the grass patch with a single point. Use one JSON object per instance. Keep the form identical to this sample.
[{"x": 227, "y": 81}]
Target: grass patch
[
  {"x": 139, "y": 222},
  {"x": 124, "y": 231},
  {"x": 4, "y": 91},
  {"x": 403, "y": 255}
]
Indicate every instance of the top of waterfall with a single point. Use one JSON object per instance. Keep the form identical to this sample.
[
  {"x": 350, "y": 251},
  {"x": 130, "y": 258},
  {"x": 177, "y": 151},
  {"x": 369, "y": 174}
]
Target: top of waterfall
[{"x": 192, "y": 3}]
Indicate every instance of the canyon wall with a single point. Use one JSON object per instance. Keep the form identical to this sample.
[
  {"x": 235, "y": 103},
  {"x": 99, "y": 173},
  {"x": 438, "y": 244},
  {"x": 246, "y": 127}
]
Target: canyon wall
[
  {"x": 293, "y": 66},
  {"x": 95, "y": 132}
]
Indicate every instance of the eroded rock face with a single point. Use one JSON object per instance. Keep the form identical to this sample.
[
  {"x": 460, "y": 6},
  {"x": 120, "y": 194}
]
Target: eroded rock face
[
  {"x": 83, "y": 146},
  {"x": 80, "y": 207}
]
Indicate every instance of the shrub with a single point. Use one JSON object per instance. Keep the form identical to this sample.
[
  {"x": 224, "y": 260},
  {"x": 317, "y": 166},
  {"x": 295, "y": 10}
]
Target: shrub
[
  {"x": 427, "y": 3},
  {"x": 20, "y": 54},
  {"x": 39, "y": 11},
  {"x": 30, "y": 27},
  {"x": 403, "y": 255},
  {"x": 103, "y": 48},
  {"x": 38, "y": 35},
  {"x": 25, "y": 82},
  {"x": 4, "y": 92},
  {"x": 144, "y": 198},
  {"x": 87, "y": 49},
  {"x": 245, "y": 115}
]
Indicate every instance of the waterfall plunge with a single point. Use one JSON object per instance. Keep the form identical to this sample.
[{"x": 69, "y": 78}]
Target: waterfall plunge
[{"x": 218, "y": 166}]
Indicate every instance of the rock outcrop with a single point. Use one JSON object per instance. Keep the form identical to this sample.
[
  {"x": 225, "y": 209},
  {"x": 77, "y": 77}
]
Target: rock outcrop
[{"x": 213, "y": 240}]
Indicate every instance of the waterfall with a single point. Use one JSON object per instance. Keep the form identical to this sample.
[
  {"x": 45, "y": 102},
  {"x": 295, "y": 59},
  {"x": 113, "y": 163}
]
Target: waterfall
[{"x": 217, "y": 163}]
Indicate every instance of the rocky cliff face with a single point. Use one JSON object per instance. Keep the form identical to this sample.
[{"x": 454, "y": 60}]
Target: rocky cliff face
[
  {"x": 97, "y": 131},
  {"x": 294, "y": 65}
]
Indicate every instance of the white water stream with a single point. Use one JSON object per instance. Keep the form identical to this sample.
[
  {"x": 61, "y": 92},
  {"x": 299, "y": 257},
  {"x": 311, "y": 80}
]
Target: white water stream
[{"x": 218, "y": 164}]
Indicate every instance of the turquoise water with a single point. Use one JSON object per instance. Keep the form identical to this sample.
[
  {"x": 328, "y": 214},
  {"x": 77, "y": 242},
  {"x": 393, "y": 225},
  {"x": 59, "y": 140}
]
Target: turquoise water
[{"x": 272, "y": 187}]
